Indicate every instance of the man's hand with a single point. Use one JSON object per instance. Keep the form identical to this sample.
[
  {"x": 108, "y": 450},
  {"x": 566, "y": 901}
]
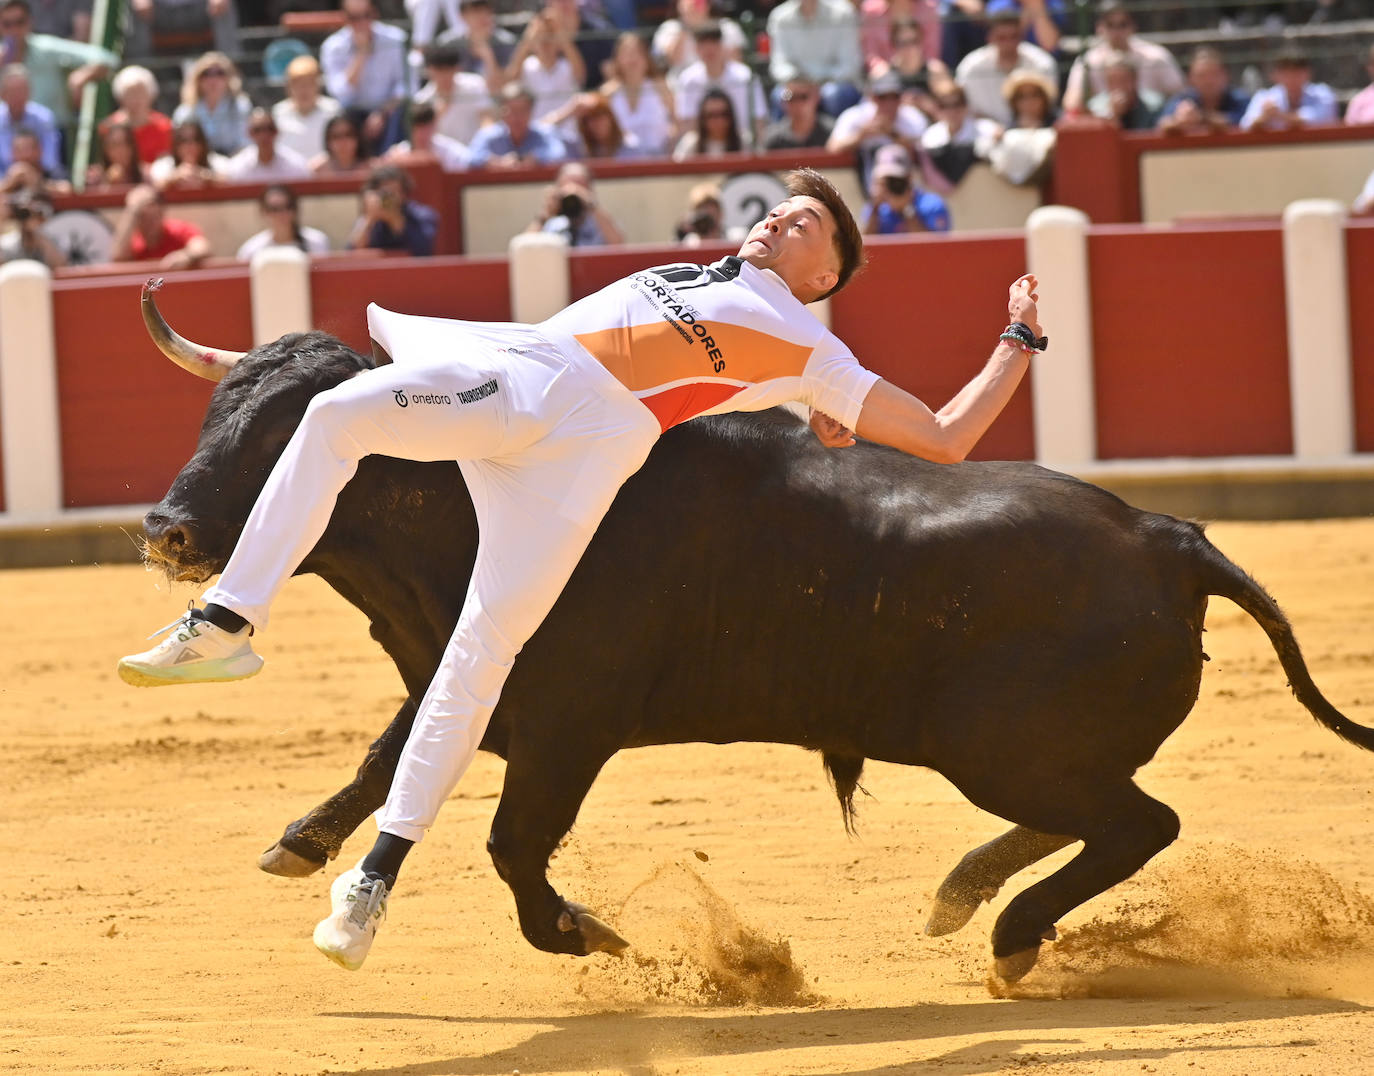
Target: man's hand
[
  {"x": 1021, "y": 305},
  {"x": 829, "y": 432}
]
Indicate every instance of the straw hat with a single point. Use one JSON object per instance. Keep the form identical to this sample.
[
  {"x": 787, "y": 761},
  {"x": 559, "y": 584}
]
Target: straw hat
[{"x": 1023, "y": 76}]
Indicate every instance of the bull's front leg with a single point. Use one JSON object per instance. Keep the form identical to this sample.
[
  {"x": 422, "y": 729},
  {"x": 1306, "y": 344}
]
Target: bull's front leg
[
  {"x": 544, "y": 788},
  {"x": 311, "y": 841}
]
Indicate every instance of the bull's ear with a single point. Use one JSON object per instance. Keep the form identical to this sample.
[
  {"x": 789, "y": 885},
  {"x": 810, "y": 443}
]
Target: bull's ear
[{"x": 380, "y": 354}]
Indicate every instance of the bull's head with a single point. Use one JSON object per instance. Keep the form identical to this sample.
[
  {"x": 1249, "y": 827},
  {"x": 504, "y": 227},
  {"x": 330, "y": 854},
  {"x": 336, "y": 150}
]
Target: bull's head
[{"x": 256, "y": 406}]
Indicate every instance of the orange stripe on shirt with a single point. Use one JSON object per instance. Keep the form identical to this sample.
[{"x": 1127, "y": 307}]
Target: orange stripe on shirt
[{"x": 646, "y": 357}]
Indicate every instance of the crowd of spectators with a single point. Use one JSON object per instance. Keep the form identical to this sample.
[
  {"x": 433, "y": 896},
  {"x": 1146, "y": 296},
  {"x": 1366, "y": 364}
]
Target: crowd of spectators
[{"x": 920, "y": 91}]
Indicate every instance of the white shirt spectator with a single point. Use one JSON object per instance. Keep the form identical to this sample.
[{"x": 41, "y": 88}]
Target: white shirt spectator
[
  {"x": 461, "y": 113},
  {"x": 977, "y": 131},
  {"x": 304, "y": 134},
  {"x": 823, "y": 48},
  {"x": 316, "y": 242},
  {"x": 673, "y": 32},
  {"x": 910, "y": 125},
  {"x": 553, "y": 87},
  {"x": 160, "y": 171},
  {"x": 1155, "y": 66},
  {"x": 738, "y": 82},
  {"x": 385, "y": 74},
  {"x": 452, "y": 155},
  {"x": 286, "y": 163},
  {"x": 648, "y": 122},
  {"x": 981, "y": 78}
]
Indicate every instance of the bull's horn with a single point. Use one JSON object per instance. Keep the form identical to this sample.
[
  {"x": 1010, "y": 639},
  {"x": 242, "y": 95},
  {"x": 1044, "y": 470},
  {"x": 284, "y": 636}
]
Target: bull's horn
[{"x": 209, "y": 363}]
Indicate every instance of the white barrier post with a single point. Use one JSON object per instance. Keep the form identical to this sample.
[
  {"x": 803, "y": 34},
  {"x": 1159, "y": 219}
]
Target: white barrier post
[
  {"x": 1064, "y": 402},
  {"x": 538, "y": 276},
  {"x": 1318, "y": 305},
  {"x": 28, "y": 392},
  {"x": 279, "y": 287}
]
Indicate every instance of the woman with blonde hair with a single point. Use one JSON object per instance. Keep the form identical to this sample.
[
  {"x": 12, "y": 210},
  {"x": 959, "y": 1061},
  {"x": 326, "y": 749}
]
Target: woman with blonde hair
[
  {"x": 212, "y": 95},
  {"x": 641, "y": 101}
]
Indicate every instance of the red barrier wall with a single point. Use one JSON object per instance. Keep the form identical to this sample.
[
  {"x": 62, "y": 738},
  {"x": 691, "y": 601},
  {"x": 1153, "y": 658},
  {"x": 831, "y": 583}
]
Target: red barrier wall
[
  {"x": 926, "y": 314},
  {"x": 474, "y": 289},
  {"x": 1359, "y": 251},
  {"x": 129, "y": 417},
  {"x": 1190, "y": 342}
]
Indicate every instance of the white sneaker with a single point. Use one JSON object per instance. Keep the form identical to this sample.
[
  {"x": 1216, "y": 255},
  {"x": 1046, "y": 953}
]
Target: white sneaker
[
  {"x": 195, "y": 652},
  {"x": 359, "y": 908}
]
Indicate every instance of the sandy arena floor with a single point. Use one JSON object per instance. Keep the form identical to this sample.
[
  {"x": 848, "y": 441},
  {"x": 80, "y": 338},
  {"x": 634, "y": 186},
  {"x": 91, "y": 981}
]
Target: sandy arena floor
[{"x": 140, "y": 938}]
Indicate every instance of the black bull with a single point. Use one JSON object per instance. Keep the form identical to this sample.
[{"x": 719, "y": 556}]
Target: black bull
[{"x": 1029, "y": 636}]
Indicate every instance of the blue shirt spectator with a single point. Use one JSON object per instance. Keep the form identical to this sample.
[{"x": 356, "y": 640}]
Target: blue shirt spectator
[
  {"x": 17, "y": 111},
  {"x": 1293, "y": 101},
  {"x": 390, "y": 220},
  {"x": 895, "y": 203},
  {"x": 364, "y": 63},
  {"x": 515, "y": 141},
  {"x": 212, "y": 95}
]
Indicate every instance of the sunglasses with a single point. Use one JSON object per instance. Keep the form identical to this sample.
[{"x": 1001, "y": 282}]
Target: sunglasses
[{"x": 213, "y": 72}]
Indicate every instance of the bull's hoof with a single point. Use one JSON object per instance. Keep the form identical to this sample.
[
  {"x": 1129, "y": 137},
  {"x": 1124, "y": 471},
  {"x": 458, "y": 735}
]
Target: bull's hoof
[
  {"x": 946, "y": 918},
  {"x": 598, "y": 937},
  {"x": 1012, "y": 969},
  {"x": 950, "y": 913},
  {"x": 286, "y": 863}
]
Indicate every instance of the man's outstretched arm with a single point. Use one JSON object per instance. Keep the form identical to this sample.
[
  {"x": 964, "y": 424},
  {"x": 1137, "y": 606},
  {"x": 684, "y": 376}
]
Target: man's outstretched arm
[{"x": 892, "y": 416}]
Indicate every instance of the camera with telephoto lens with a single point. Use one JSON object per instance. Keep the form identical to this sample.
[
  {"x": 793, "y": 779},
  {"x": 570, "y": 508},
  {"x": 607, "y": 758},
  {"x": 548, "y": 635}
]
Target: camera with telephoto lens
[
  {"x": 896, "y": 185},
  {"x": 572, "y": 206}
]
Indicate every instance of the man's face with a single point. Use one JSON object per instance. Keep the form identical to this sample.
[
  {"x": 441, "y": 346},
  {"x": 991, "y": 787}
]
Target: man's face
[
  {"x": 710, "y": 50},
  {"x": 1120, "y": 80},
  {"x": 888, "y": 104},
  {"x": 797, "y": 241},
  {"x": 801, "y": 100},
  {"x": 1005, "y": 37},
  {"x": 263, "y": 132},
  {"x": 480, "y": 21},
  {"x": 1116, "y": 29},
  {"x": 1208, "y": 77},
  {"x": 26, "y": 150},
  {"x": 1292, "y": 78},
  {"x": 442, "y": 77},
  {"x": 14, "y": 22},
  {"x": 516, "y": 114},
  {"x": 148, "y": 220},
  {"x": 358, "y": 14},
  {"x": 14, "y": 92}
]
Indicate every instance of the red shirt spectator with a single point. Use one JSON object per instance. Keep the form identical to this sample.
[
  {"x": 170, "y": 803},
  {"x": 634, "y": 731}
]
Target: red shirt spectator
[
  {"x": 145, "y": 232},
  {"x": 135, "y": 89}
]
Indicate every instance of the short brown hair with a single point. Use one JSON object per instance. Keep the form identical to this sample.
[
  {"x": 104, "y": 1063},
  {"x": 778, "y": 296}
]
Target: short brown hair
[{"x": 849, "y": 241}]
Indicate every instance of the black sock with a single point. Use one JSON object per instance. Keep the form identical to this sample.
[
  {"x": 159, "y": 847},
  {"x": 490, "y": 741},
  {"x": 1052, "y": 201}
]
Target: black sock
[
  {"x": 386, "y": 857},
  {"x": 224, "y": 618}
]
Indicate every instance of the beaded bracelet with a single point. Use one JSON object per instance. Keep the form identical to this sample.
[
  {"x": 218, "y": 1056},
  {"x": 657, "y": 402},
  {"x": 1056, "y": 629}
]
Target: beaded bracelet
[{"x": 1018, "y": 332}]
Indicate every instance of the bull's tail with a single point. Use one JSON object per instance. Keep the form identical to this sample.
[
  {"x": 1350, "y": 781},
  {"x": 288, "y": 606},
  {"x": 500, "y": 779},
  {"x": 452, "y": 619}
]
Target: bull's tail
[
  {"x": 845, "y": 772},
  {"x": 1229, "y": 581}
]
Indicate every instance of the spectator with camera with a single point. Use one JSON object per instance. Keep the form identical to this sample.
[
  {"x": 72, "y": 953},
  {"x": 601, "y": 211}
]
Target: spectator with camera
[
  {"x": 390, "y": 220},
  {"x": 30, "y": 210},
  {"x": 144, "y": 232},
  {"x": 705, "y": 218},
  {"x": 571, "y": 210},
  {"x": 880, "y": 119},
  {"x": 895, "y": 203}
]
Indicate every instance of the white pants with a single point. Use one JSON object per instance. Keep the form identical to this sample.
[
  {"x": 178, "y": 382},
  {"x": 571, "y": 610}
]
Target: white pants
[{"x": 544, "y": 438}]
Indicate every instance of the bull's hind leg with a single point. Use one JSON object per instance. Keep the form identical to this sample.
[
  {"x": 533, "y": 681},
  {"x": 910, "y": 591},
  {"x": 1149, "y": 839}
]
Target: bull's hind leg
[
  {"x": 980, "y": 874},
  {"x": 1121, "y": 828},
  {"x": 311, "y": 841},
  {"x": 544, "y": 788}
]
